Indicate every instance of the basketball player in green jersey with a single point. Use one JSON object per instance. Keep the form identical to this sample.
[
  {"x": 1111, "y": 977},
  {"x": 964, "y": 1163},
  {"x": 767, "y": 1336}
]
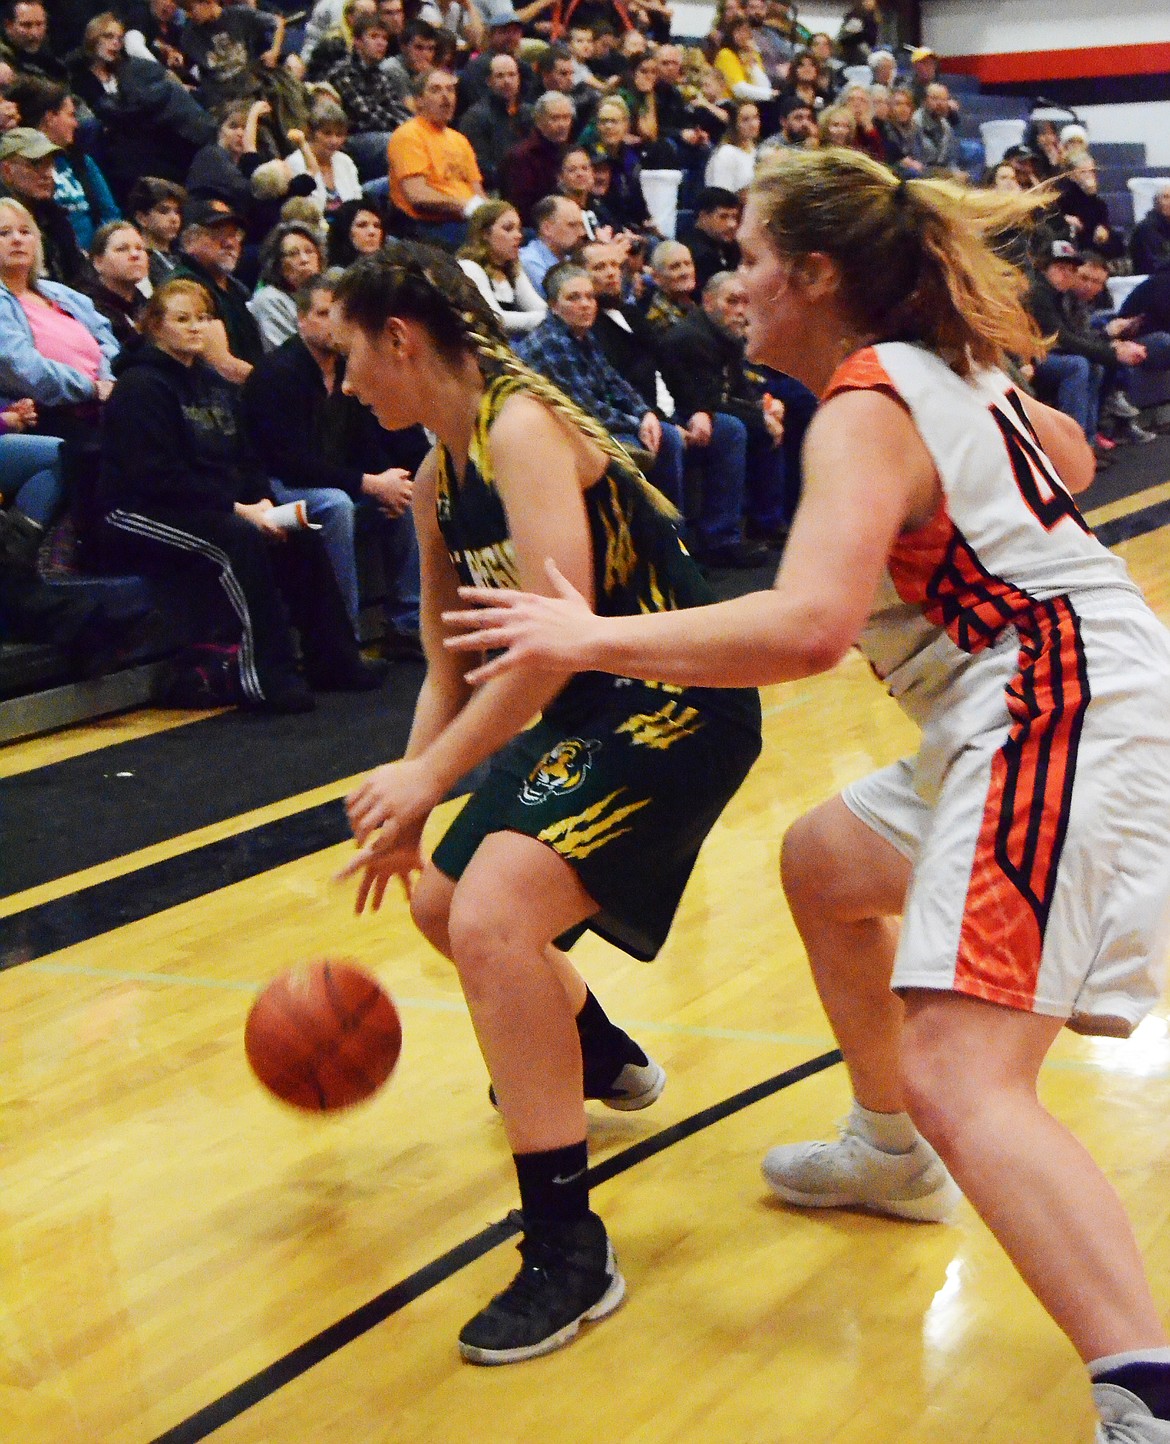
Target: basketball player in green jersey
[{"x": 591, "y": 818}]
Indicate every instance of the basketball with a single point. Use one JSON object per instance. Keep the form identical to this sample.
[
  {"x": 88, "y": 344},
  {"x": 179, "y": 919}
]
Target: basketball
[{"x": 323, "y": 1036}]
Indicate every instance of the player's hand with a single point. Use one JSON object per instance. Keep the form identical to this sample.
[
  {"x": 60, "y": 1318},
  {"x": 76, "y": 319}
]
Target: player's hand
[
  {"x": 546, "y": 634},
  {"x": 403, "y": 861},
  {"x": 393, "y": 801}
]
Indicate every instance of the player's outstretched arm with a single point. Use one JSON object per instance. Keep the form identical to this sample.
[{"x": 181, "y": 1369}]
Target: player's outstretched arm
[{"x": 868, "y": 476}]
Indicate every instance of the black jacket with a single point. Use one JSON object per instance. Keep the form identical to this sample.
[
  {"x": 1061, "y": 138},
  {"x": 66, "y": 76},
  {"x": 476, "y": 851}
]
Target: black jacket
[
  {"x": 710, "y": 257},
  {"x": 306, "y": 436},
  {"x": 633, "y": 353},
  {"x": 64, "y": 259},
  {"x": 493, "y": 131},
  {"x": 1053, "y": 314},
  {"x": 1149, "y": 246},
  {"x": 1151, "y": 301},
  {"x": 171, "y": 436},
  {"x": 703, "y": 368}
]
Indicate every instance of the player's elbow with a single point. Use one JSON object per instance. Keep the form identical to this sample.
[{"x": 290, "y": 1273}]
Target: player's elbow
[{"x": 822, "y": 648}]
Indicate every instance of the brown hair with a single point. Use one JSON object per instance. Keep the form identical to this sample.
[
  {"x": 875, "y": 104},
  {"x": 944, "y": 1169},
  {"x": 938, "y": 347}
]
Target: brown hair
[
  {"x": 475, "y": 247},
  {"x": 913, "y": 256},
  {"x": 423, "y": 284},
  {"x": 155, "y": 312}
]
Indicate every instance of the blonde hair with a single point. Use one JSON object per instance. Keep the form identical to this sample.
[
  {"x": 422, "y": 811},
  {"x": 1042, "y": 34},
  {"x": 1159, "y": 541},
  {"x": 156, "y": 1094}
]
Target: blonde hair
[
  {"x": 913, "y": 256},
  {"x": 155, "y": 313},
  {"x": 10, "y": 203},
  {"x": 423, "y": 284}
]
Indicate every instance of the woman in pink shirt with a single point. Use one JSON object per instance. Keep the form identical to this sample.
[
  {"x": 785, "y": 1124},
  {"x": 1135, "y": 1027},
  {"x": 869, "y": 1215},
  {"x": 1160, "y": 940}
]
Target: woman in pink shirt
[{"x": 55, "y": 347}]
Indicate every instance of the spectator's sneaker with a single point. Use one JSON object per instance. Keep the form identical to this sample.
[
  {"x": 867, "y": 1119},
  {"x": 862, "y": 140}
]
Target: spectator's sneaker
[
  {"x": 1125, "y": 1419},
  {"x": 1118, "y": 404},
  {"x": 288, "y": 698},
  {"x": 851, "y": 1173},
  {"x": 569, "y": 1277},
  {"x": 1130, "y": 431},
  {"x": 1103, "y": 443},
  {"x": 632, "y": 1087}
]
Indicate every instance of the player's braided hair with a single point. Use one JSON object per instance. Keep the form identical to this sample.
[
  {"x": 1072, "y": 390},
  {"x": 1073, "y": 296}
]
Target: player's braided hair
[{"x": 422, "y": 283}]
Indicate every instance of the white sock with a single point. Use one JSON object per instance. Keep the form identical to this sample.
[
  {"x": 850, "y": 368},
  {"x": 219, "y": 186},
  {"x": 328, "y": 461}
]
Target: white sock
[
  {"x": 889, "y": 1132},
  {"x": 1134, "y": 1356}
]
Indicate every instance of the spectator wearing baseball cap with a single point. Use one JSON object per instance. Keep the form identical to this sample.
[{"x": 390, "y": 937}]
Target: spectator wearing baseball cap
[
  {"x": 1072, "y": 374},
  {"x": 27, "y": 174},
  {"x": 209, "y": 252}
]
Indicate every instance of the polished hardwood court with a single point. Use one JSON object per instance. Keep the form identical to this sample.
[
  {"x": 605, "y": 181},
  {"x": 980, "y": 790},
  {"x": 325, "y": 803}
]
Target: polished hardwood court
[{"x": 184, "y": 1258}]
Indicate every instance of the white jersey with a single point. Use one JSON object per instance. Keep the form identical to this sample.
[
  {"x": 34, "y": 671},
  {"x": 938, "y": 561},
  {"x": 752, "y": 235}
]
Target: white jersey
[
  {"x": 1035, "y": 811},
  {"x": 1007, "y": 547}
]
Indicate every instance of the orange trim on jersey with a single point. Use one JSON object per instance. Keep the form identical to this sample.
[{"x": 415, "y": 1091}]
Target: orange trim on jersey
[
  {"x": 1025, "y": 819},
  {"x": 862, "y": 371}
]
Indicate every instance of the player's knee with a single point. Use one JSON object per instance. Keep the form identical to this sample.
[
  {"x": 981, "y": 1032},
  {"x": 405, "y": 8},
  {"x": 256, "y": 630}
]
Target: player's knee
[
  {"x": 481, "y": 938},
  {"x": 937, "y": 1097},
  {"x": 807, "y": 870},
  {"x": 430, "y": 908}
]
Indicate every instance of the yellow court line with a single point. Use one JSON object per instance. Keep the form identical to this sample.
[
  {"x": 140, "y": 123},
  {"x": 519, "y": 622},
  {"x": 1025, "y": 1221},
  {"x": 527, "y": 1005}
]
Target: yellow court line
[
  {"x": 1139, "y": 501},
  {"x": 173, "y": 846},
  {"x": 29, "y": 753}
]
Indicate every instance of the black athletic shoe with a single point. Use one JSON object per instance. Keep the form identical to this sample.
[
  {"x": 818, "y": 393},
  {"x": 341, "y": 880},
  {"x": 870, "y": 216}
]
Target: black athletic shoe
[
  {"x": 569, "y": 1277},
  {"x": 626, "y": 1087}
]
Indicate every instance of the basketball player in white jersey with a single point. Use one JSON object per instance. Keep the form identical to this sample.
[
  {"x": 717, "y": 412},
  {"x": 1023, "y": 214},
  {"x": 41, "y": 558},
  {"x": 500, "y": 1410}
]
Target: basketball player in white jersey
[{"x": 1026, "y": 848}]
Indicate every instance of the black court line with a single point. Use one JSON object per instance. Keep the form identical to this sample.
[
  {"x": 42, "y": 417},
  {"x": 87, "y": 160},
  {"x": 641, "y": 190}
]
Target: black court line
[
  {"x": 103, "y": 906},
  {"x": 204, "y": 1422},
  {"x": 1125, "y": 528}
]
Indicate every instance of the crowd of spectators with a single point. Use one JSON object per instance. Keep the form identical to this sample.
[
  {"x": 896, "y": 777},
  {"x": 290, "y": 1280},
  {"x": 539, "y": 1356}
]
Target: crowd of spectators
[{"x": 178, "y": 178}]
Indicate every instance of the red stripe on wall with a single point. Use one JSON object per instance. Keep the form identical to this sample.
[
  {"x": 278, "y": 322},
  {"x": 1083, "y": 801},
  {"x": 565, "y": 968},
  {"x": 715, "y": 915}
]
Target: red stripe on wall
[{"x": 1101, "y": 60}]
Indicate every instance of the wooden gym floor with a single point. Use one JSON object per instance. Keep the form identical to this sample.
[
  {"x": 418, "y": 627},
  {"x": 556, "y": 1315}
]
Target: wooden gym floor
[{"x": 182, "y": 1258}]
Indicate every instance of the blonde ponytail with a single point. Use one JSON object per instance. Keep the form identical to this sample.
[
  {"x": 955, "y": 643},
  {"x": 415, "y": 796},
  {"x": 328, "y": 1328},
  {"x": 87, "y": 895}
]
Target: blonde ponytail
[{"x": 914, "y": 256}]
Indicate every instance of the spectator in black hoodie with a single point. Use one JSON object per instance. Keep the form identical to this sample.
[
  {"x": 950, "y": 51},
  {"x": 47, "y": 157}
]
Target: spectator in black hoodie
[
  {"x": 327, "y": 450},
  {"x": 178, "y": 491}
]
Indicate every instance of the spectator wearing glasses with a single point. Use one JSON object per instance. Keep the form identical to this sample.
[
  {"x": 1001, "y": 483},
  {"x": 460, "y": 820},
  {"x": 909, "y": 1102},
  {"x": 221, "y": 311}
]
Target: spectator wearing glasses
[{"x": 563, "y": 349}]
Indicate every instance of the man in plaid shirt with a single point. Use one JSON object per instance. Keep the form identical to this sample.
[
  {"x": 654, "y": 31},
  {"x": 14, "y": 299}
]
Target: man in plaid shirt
[
  {"x": 563, "y": 349},
  {"x": 371, "y": 98}
]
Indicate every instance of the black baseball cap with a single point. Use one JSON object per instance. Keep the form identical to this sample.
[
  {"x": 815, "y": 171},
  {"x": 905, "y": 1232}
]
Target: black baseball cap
[{"x": 210, "y": 211}]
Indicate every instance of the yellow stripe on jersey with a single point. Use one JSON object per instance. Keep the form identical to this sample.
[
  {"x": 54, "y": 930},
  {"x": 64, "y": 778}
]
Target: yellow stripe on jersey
[{"x": 578, "y": 836}]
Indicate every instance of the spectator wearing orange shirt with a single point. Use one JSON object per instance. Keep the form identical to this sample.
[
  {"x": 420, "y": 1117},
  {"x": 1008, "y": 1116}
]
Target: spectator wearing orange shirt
[{"x": 434, "y": 175}]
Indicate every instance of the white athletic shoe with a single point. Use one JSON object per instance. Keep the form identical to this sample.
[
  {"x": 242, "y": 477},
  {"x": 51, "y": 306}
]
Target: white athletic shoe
[
  {"x": 1125, "y": 1419},
  {"x": 850, "y": 1172}
]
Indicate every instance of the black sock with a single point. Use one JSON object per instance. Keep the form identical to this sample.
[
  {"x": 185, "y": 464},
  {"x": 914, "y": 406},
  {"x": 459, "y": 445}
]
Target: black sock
[
  {"x": 553, "y": 1186},
  {"x": 603, "y": 1042},
  {"x": 1150, "y": 1382}
]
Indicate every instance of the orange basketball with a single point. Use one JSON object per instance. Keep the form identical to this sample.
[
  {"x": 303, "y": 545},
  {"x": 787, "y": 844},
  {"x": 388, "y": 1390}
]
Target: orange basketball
[{"x": 323, "y": 1036}]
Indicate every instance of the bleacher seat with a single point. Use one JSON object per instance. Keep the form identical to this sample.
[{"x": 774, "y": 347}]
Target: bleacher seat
[
  {"x": 1144, "y": 188},
  {"x": 999, "y": 136},
  {"x": 660, "y": 191},
  {"x": 1121, "y": 286}
]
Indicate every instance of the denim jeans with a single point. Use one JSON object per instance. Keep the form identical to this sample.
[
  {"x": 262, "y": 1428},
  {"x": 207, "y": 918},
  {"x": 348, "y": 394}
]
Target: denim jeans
[
  {"x": 333, "y": 511},
  {"x": 30, "y": 475},
  {"x": 338, "y": 516},
  {"x": 1074, "y": 384}
]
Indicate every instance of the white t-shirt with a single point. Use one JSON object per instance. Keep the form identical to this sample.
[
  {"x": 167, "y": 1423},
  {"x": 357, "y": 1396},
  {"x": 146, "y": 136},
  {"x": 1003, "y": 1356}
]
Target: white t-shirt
[
  {"x": 517, "y": 304},
  {"x": 345, "y": 178},
  {"x": 731, "y": 168}
]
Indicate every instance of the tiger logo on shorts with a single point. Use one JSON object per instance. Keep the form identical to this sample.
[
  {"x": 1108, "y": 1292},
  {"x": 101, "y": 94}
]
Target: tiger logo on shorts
[{"x": 561, "y": 770}]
